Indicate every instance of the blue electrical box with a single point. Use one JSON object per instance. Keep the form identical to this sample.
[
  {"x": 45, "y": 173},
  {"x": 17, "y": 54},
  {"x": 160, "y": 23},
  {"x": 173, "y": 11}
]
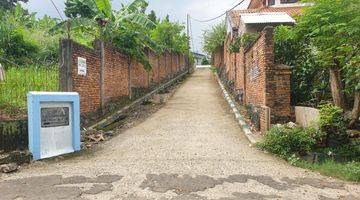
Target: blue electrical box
[{"x": 54, "y": 123}]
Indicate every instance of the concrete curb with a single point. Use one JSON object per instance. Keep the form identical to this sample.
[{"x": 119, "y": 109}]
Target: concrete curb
[
  {"x": 240, "y": 119},
  {"x": 113, "y": 117}
]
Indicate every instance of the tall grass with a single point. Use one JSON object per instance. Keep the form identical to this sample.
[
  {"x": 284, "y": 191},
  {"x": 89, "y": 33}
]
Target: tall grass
[{"x": 20, "y": 80}]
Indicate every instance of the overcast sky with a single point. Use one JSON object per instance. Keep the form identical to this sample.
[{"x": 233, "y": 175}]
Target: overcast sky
[{"x": 176, "y": 9}]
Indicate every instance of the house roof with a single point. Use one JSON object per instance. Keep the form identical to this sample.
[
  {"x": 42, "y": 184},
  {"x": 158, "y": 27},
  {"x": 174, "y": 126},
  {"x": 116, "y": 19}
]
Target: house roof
[
  {"x": 270, "y": 17},
  {"x": 234, "y": 15}
]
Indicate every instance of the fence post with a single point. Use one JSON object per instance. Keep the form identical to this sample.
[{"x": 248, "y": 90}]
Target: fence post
[
  {"x": 159, "y": 63},
  {"x": 102, "y": 71},
  {"x": 65, "y": 70},
  {"x": 129, "y": 77}
]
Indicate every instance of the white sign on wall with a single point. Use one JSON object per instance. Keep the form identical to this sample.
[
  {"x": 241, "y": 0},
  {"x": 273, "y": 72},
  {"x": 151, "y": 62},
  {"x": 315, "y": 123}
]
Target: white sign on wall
[{"x": 81, "y": 66}]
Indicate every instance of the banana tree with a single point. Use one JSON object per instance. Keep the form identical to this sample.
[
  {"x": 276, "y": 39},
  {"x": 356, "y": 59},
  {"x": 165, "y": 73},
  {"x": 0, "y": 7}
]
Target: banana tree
[{"x": 129, "y": 24}]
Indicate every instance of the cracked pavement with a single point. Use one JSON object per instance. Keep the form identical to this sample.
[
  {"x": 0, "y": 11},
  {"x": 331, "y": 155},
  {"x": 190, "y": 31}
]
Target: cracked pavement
[{"x": 192, "y": 148}]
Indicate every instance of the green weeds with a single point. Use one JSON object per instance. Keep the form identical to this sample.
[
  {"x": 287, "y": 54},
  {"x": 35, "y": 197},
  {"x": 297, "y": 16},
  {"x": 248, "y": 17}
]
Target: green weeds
[{"x": 19, "y": 81}]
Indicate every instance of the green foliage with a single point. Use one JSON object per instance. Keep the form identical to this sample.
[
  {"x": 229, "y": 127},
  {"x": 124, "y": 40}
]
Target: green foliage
[
  {"x": 327, "y": 35},
  {"x": 205, "y": 61},
  {"x": 152, "y": 17},
  {"x": 284, "y": 141},
  {"x": 191, "y": 59},
  {"x": 170, "y": 36},
  {"x": 332, "y": 125},
  {"x": 349, "y": 171},
  {"x": 79, "y": 8},
  {"x": 344, "y": 153},
  {"x": 309, "y": 81},
  {"x": 332, "y": 28},
  {"x": 129, "y": 29},
  {"x": 243, "y": 41},
  {"x": 214, "y": 38},
  {"x": 26, "y": 40},
  {"x": 10, "y": 4},
  {"x": 20, "y": 80}
]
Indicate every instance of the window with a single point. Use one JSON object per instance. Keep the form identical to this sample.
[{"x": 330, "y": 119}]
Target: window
[
  {"x": 289, "y": 1},
  {"x": 271, "y": 2}
]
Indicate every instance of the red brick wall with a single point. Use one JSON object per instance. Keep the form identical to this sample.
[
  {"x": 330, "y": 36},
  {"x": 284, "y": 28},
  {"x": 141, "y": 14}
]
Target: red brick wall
[
  {"x": 154, "y": 62},
  {"x": 162, "y": 68},
  {"x": 139, "y": 76},
  {"x": 227, "y": 57},
  {"x": 116, "y": 76},
  {"x": 115, "y": 73},
  {"x": 255, "y": 74},
  {"x": 177, "y": 65},
  {"x": 278, "y": 95},
  {"x": 182, "y": 62},
  {"x": 172, "y": 64},
  {"x": 240, "y": 71},
  {"x": 232, "y": 69},
  {"x": 168, "y": 65},
  {"x": 87, "y": 86},
  {"x": 218, "y": 58},
  {"x": 267, "y": 84}
]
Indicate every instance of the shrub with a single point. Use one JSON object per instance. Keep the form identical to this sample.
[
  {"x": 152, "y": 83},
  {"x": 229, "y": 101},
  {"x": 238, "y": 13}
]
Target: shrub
[
  {"x": 333, "y": 126},
  {"x": 284, "y": 141}
]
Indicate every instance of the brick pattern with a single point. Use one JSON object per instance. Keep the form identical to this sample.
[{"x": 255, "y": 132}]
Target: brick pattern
[
  {"x": 168, "y": 65},
  {"x": 240, "y": 71},
  {"x": 218, "y": 58},
  {"x": 139, "y": 76},
  {"x": 182, "y": 62},
  {"x": 255, "y": 73},
  {"x": 154, "y": 62},
  {"x": 258, "y": 80},
  {"x": 279, "y": 94},
  {"x": 173, "y": 64},
  {"x": 116, "y": 76},
  {"x": 115, "y": 73},
  {"x": 162, "y": 67},
  {"x": 87, "y": 86}
]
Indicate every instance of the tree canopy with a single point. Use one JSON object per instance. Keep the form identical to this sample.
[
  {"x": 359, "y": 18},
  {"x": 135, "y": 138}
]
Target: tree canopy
[
  {"x": 214, "y": 38},
  {"x": 323, "y": 46},
  {"x": 130, "y": 29},
  {"x": 10, "y": 4}
]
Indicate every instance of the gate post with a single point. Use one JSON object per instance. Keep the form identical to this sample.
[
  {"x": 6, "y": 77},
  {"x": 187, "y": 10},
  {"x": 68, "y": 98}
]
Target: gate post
[{"x": 65, "y": 70}]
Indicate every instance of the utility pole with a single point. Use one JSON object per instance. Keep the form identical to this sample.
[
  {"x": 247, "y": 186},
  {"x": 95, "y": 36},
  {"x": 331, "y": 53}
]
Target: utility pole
[
  {"x": 188, "y": 25},
  {"x": 188, "y": 34}
]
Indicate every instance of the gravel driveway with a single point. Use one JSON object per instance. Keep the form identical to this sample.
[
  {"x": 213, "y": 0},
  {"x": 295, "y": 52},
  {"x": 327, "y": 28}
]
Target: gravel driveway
[{"x": 192, "y": 148}]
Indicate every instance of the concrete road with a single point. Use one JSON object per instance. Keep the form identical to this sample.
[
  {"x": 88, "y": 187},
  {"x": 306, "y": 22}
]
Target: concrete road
[{"x": 190, "y": 149}]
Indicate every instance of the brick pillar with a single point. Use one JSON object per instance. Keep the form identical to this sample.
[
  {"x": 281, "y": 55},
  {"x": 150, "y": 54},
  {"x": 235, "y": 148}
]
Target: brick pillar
[
  {"x": 65, "y": 70},
  {"x": 277, "y": 81}
]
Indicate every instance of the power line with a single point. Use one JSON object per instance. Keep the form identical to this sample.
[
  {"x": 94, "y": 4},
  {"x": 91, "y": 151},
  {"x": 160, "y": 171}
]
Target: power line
[
  {"x": 212, "y": 19},
  {"x": 57, "y": 10}
]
